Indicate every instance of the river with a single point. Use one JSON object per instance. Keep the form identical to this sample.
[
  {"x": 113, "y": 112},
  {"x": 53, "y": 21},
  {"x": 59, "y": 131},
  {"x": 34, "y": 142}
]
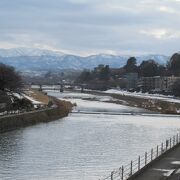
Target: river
[{"x": 82, "y": 146}]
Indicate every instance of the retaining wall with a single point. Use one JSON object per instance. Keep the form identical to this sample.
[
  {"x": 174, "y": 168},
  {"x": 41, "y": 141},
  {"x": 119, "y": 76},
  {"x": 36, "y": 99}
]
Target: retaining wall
[{"x": 12, "y": 122}]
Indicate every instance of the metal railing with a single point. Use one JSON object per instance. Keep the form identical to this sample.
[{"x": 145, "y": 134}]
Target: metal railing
[
  {"x": 133, "y": 167},
  {"x": 5, "y": 113},
  {"x": 16, "y": 112}
]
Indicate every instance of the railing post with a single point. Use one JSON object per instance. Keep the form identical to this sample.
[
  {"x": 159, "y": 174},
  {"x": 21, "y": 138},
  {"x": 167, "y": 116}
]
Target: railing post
[
  {"x": 177, "y": 139},
  {"x": 174, "y": 140},
  {"x": 122, "y": 175},
  {"x": 167, "y": 144},
  {"x": 131, "y": 168},
  {"x": 120, "y": 172},
  {"x": 145, "y": 158},
  {"x": 170, "y": 143},
  {"x": 157, "y": 150},
  {"x": 112, "y": 175},
  {"x": 139, "y": 163},
  {"x": 151, "y": 154}
]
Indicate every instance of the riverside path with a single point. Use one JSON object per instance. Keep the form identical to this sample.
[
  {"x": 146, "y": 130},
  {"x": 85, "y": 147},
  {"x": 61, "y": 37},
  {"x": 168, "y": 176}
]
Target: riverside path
[{"x": 167, "y": 167}]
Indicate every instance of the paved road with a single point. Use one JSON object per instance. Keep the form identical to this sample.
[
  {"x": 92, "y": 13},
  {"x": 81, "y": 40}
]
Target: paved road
[{"x": 167, "y": 168}]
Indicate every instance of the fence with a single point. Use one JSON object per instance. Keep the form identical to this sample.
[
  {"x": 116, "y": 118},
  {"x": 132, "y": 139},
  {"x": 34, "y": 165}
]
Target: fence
[
  {"x": 128, "y": 170},
  {"x": 15, "y": 112},
  {"x": 5, "y": 113}
]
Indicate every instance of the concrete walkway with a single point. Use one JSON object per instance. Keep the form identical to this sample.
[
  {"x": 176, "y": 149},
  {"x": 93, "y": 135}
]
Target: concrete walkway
[{"x": 166, "y": 168}]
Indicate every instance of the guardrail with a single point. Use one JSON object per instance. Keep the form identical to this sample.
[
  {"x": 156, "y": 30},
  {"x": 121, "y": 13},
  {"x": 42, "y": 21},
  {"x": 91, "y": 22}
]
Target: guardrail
[
  {"x": 125, "y": 172},
  {"x": 5, "y": 113},
  {"x": 16, "y": 112}
]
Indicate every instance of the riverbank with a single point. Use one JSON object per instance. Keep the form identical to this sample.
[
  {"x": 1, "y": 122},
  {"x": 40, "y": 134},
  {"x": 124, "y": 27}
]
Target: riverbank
[
  {"x": 58, "y": 110},
  {"x": 155, "y": 105}
]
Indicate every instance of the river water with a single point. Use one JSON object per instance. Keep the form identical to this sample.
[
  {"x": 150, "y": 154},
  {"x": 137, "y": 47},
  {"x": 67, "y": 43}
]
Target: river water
[{"x": 82, "y": 146}]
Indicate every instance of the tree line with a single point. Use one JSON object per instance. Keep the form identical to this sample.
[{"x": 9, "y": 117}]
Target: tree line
[
  {"x": 151, "y": 68},
  {"x": 147, "y": 68}
]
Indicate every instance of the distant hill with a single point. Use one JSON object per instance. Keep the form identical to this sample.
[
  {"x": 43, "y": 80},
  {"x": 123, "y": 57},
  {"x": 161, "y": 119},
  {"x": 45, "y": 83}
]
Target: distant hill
[{"x": 26, "y": 59}]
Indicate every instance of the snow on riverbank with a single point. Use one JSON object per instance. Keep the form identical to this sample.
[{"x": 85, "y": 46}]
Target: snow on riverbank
[
  {"x": 33, "y": 101},
  {"x": 145, "y": 95}
]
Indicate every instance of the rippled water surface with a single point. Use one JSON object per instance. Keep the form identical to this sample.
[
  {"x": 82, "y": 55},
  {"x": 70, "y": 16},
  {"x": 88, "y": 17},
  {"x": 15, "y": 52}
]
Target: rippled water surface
[{"x": 81, "y": 146}]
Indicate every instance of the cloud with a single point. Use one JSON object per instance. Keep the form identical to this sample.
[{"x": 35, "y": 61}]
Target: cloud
[
  {"x": 161, "y": 33},
  {"x": 86, "y": 26},
  {"x": 168, "y": 10},
  {"x": 157, "y": 33}
]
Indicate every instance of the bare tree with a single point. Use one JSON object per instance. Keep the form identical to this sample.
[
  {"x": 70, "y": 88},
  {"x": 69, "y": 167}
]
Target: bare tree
[{"x": 9, "y": 78}]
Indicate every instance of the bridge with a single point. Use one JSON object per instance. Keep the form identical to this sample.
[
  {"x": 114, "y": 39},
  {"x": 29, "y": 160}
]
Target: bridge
[{"x": 59, "y": 87}]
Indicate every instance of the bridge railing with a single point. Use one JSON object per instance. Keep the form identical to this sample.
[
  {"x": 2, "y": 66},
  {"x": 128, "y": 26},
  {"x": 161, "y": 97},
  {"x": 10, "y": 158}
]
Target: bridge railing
[{"x": 125, "y": 172}]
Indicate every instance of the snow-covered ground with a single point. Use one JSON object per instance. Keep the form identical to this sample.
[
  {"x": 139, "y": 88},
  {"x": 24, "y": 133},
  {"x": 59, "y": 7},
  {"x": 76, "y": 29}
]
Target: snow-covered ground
[
  {"x": 145, "y": 95},
  {"x": 23, "y": 95},
  {"x": 33, "y": 101}
]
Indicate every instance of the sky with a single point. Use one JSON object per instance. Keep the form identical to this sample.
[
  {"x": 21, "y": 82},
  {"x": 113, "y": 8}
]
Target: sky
[{"x": 85, "y": 27}]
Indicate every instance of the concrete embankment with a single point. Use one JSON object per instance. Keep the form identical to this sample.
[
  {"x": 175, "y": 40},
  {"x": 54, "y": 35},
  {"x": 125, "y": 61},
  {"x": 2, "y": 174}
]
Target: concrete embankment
[
  {"x": 62, "y": 109},
  {"x": 12, "y": 122}
]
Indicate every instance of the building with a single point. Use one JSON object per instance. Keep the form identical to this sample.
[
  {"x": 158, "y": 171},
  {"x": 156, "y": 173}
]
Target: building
[
  {"x": 131, "y": 80},
  {"x": 168, "y": 83},
  {"x": 157, "y": 83},
  {"x": 150, "y": 83}
]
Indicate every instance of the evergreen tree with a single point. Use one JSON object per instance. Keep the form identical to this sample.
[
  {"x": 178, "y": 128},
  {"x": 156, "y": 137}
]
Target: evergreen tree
[
  {"x": 105, "y": 72},
  {"x": 131, "y": 65},
  {"x": 174, "y": 64},
  {"x": 85, "y": 76},
  {"x": 149, "y": 68}
]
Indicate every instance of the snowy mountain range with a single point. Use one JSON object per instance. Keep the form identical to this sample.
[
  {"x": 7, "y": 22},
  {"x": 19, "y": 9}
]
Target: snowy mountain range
[
  {"x": 28, "y": 59},
  {"x": 16, "y": 52}
]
